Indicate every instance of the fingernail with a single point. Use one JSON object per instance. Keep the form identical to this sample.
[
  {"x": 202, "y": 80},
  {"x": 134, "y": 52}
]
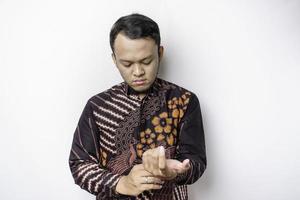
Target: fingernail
[{"x": 161, "y": 149}]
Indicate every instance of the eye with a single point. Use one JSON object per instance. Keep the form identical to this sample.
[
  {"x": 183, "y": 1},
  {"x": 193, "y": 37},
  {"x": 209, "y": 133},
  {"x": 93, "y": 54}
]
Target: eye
[
  {"x": 147, "y": 62},
  {"x": 126, "y": 64}
]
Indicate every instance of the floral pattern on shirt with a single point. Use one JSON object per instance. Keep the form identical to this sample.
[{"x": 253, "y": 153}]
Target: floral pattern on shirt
[
  {"x": 147, "y": 139},
  {"x": 163, "y": 129}
]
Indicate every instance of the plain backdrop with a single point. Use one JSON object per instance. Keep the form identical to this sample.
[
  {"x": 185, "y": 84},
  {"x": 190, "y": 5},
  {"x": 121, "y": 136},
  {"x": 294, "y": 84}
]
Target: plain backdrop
[{"x": 241, "y": 58}]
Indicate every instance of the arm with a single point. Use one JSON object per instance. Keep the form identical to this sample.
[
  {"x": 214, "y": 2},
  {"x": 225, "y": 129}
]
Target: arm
[
  {"x": 191, "y": 143},
  {"x": 190, "y": 161},
  {"x": 84, "y": 160}
]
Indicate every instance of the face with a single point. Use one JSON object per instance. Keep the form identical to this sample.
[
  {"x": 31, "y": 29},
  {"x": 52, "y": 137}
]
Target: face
[{"x": 137, "y": 60}]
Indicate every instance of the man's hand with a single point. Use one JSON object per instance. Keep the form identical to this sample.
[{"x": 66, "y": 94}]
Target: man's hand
[
  {"x": 155, "y": 162},
  {"x": 137, "y": 181}
]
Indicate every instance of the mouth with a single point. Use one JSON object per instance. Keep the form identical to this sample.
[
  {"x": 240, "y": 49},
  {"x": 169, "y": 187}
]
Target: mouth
[{"x": 139, "y": 82}]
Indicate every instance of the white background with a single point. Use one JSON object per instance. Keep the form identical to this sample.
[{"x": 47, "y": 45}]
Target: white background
[{"x": 242, "y": 59}]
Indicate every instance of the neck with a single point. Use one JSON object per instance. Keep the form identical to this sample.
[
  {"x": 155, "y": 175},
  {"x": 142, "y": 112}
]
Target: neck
[{"x": 142, "y": 95}]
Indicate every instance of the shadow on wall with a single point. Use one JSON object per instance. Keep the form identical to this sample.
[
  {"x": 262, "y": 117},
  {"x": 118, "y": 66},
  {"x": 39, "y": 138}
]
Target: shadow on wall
[{"x": 204, "y": 184}]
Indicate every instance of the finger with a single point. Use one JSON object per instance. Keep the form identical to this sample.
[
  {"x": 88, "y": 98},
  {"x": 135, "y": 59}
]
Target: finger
[
  {"x": 154, "y": 160},
  {"x": 161, "y": 158},
  {"x": 146, "y": 160},
  {"x": 184, "y": 166},
  {"x": 138, "y": 167},
  {"x": 144, "y": 173},
  {"x": 158, "y": 181},
  {"x": 150, "y": 161},
  {"x": 150, "y": 187},
  {"x": 152, "y": 180}
]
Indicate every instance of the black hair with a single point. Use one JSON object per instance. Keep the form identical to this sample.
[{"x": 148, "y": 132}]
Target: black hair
[{"x": 135, "y": 26}]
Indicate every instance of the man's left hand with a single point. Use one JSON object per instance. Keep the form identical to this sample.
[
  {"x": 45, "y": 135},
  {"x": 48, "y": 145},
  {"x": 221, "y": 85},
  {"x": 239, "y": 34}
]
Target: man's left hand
[{"x": 155, "y": 162}]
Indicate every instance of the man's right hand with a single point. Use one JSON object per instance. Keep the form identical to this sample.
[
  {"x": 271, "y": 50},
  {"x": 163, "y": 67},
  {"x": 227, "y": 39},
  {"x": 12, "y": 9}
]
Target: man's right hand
[{"x": 137, "y": 181}]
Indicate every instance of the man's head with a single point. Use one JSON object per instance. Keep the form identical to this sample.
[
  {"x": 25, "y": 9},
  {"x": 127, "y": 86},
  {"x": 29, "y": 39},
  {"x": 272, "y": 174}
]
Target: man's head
[
  {"x": 135, "y": 42},
  {"x": 135, "y": 26}
]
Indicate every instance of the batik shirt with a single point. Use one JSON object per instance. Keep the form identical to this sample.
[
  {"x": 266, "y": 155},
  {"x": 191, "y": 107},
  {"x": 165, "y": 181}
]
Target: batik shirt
[{"x": 116, "y": 127}]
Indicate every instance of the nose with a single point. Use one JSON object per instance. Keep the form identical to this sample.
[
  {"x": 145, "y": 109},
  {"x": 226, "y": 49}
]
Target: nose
[{"x": 138, "y": 70}]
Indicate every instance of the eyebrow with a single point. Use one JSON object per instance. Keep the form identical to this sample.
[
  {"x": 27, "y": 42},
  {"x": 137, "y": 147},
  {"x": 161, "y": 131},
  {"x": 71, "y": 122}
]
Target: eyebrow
[{"x": 124, "y": 60}]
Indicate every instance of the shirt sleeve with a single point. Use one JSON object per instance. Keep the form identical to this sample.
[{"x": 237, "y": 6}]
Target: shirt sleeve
[
  {"x": 191, "y": 143},
  {"x": 84, "y": 159}
]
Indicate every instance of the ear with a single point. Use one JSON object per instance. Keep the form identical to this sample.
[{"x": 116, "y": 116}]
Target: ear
[
  {"x": 160, "y": 52},
  {"x": 114, "y": 58}
]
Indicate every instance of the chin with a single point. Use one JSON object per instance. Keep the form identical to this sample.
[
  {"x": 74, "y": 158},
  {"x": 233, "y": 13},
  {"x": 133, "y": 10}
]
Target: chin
[{"x": 141, "y": 88}]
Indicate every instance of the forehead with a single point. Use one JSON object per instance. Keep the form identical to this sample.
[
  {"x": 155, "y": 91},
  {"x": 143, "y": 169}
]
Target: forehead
[{"x": 134, "y": 49}]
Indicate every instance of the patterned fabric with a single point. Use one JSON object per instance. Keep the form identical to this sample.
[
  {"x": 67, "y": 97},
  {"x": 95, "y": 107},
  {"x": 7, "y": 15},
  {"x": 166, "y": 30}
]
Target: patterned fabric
[{"x": 116, "y": 127}]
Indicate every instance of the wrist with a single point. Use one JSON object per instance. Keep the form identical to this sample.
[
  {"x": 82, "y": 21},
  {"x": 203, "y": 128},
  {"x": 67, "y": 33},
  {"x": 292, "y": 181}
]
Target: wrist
[
  {"x": 120, "y": 188},
  {"x": 123, "y": 186}
]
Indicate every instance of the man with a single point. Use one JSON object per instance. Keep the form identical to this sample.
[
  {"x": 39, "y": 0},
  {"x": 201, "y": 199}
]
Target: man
[{"x": 142, "y": 138}]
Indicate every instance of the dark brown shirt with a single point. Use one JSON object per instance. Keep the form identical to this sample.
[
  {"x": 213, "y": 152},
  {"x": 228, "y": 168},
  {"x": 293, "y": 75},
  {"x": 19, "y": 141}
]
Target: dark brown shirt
[{"x": 116, "y": 127}]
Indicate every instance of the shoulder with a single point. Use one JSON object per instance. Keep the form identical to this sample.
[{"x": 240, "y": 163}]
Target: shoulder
[
  {"x": 172, "y": 91},
  {"x": 180, "y": 98},
  {"x": 107, "y": 95}
]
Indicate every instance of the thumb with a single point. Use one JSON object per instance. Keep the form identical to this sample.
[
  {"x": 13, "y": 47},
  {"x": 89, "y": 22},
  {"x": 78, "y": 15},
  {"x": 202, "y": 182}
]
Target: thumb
[
  {"x": 184, "y": 166},
  {"x": 186, "y": 163}
]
